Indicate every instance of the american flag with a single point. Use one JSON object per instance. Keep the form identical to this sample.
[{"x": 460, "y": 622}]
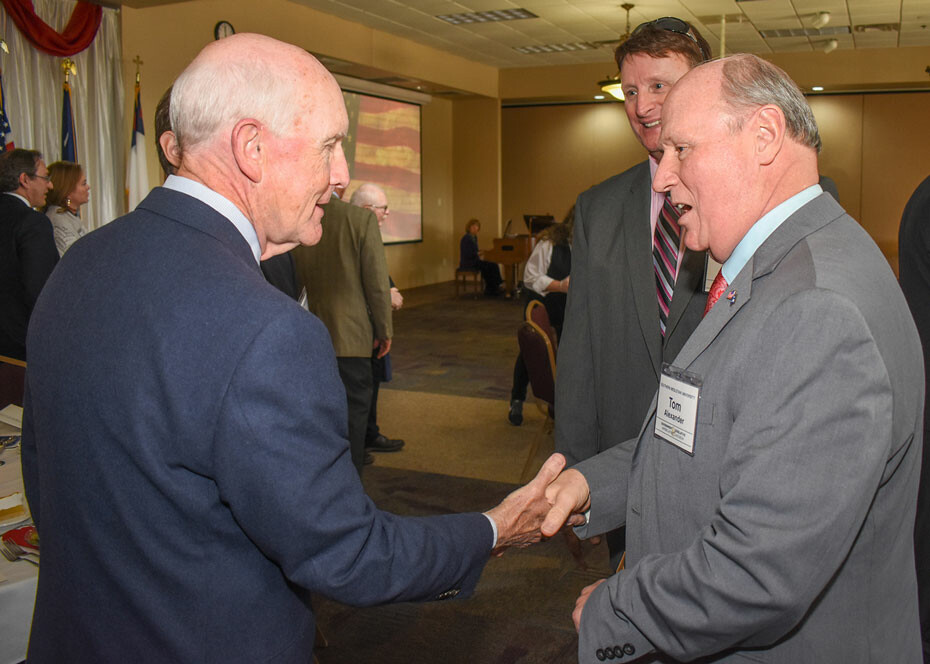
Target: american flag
[
  {"x": 6, "y": 131},
  {"x": 383, "y": 147}
]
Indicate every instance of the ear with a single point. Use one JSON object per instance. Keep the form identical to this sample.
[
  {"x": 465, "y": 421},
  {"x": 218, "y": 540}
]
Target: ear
[
  {"x": 770, "y": 132},
  {"x": 169, "y": 145},
  {"x": 23, "y": 180},
  {"x": 248, "y": 148}
]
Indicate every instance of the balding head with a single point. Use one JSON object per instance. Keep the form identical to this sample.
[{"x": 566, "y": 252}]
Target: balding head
[
  {"x": 243, "y": 76},
  {"x": 372, "y": 197},
  {"x": 730, "y": 155},
  {"x": 261, "y": 122}
]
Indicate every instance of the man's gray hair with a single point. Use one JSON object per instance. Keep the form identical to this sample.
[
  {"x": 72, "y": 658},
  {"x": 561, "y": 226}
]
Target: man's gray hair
[
  {"x": 750, "y": 82},
  {"x": 367, "y": 194},
  {"x": 207, "y": 96}
]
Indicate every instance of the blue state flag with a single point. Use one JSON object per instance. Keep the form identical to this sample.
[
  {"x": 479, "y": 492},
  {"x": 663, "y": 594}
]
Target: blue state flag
[{"x": 68, "y": 146}]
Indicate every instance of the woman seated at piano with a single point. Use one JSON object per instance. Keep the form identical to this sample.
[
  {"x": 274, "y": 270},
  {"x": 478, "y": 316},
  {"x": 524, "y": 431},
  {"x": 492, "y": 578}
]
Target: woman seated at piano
[
  {"x": 546, "y": 278},
  {"x": 471, "y": 259}
]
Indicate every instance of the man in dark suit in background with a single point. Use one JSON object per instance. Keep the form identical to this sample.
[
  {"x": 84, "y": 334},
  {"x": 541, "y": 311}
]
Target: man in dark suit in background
[
  {"x": 618, "y": 328},
  {"x": 27, "y": 245},
  {"x": 184, "y": 450},
  {"x": 914, "y": 272}
]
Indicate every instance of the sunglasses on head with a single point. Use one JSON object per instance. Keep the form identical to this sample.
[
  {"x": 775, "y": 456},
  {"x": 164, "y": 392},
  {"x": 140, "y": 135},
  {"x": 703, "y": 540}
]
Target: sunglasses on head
[{"x": 676, "y": 25}]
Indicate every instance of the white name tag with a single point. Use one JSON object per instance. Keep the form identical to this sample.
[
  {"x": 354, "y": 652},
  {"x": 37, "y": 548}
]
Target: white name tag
[{"x": 676, "y": 408}]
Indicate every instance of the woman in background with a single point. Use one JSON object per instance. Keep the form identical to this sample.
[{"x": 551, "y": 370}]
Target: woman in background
[
  {"x": 63, "y": 204},
  {"x": 546, "y": 278},
  {"x": 470, "y": 259}
]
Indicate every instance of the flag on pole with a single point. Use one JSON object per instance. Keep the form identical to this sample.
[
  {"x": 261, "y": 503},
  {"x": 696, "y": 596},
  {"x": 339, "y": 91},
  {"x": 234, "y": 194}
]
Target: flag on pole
[
  {"x": 68, "y": 147},
  {"x": 137, "y": 180},
  {"x": 6, "y": 131}
]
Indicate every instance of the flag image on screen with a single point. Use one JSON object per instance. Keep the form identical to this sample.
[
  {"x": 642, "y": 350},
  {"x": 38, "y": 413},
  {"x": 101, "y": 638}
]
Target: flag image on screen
[{"x": 383, "y": 147}]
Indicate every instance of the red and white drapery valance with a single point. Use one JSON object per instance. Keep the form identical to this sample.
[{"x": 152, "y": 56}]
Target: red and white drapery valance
[{"x": 77, "y": 35}]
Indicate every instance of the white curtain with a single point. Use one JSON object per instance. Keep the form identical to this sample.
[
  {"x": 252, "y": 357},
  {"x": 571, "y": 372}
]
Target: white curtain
[{"x": 32, "y": 84}]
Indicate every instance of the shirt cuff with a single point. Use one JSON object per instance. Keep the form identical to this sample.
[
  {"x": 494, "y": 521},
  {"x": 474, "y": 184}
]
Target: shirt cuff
[{"x": 493, "y": 529}]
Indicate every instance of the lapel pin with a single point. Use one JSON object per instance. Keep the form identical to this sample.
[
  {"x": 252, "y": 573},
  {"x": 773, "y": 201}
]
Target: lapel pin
[{"x": 731, "y": 297}]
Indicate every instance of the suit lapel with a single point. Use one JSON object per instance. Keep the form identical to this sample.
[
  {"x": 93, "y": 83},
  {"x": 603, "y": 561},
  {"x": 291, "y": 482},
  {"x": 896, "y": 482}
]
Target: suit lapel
[
  {"x": 639, "y": 257},
  {"x": 810, "y": 218}
]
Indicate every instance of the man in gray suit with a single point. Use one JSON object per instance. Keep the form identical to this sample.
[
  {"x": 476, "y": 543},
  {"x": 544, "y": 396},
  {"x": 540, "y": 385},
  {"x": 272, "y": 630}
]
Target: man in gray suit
[
  {"x": 770, "y": 497},
  {"x": 616, "y": 334}
]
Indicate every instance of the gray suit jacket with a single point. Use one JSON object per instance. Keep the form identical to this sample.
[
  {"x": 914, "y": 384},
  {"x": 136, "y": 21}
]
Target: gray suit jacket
[
  {"x": 346, "y": 278},
  {"x": 611, "y": 351},
  {"x": 787, "y": 536}
]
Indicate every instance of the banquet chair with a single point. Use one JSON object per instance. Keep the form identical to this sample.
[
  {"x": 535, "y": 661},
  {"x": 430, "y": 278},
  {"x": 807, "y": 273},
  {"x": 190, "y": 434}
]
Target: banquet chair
[
  {"x": 536, "y": 313},
  {"x": 12, "y": 381},
  {"x": 539, "y": 356}
]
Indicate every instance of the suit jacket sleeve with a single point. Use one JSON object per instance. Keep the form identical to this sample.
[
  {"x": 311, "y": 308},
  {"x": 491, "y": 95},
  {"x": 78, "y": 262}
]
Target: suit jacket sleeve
[
  {"x": 808, "y": 450},
  {"x": 576, "y": 427},
  {"x": 375, "y": 280},
  {"x": 38, "y": 254},
  {"x": 298, "y": 497}
]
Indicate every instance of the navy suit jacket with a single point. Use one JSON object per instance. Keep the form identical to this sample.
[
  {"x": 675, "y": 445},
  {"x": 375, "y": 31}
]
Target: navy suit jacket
[{"x": 185, "y": 458}]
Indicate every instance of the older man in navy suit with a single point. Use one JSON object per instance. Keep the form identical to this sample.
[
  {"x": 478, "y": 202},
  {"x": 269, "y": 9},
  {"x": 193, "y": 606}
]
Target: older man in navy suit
[{"x": 184, "y": 439}]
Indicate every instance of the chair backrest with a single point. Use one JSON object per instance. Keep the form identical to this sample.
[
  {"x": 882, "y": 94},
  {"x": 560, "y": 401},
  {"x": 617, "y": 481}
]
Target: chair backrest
[
  {"x": 539, "y": 357},
  {"x": 12, "y": 381},
  {"x": 536, "y": 313}
]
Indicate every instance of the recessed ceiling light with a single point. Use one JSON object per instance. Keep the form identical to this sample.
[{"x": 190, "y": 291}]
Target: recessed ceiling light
[
  {"x": 599, "y": 97},
  {"x": 817, "y": 88}
]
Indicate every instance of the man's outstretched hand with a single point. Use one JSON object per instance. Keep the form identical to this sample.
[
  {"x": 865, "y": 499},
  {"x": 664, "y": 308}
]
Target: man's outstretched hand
[
  {"x": 569, "y": 497},
  {"x": 520, "y": 514}
]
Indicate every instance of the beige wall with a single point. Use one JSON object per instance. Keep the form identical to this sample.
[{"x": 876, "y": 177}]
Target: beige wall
[
  {"x": 477, "y": 169},
  {"x": 553, "y": 153},
  {"x": 875, "y": 148}
]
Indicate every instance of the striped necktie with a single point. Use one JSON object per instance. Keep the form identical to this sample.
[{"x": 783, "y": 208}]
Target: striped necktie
[{"x": 665, "y": 243}]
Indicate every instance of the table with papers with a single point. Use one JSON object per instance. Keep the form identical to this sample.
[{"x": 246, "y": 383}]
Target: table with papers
[{"x": 17, "y": 579}]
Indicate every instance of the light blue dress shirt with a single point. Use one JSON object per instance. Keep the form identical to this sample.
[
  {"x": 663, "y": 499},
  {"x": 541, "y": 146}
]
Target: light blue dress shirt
[{"x": 762, "y": 229}]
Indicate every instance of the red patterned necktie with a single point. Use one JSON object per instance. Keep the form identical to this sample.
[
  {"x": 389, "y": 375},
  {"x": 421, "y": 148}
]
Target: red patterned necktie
[
  {"x": 665, "y": 243},
  {"x": 716, "y": 290}
]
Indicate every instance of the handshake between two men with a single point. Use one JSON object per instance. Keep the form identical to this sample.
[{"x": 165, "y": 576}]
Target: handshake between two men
[{"x": 540, "y": 509}]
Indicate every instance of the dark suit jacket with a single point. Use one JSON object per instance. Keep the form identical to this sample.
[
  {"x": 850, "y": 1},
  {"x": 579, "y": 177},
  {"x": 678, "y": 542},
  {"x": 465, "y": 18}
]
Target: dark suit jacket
[
  {"x": 27, "y": 257},
  {"x": 611, "y": 351},
  {"x": 185, "y": 459},
  {"x": 786, "y": 535},
  {"x": 914, "y": 270},
  {"x": 346, "y": 278}
]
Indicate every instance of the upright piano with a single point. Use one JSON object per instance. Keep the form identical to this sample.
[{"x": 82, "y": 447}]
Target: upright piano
[{"x": 511, "y": 252}]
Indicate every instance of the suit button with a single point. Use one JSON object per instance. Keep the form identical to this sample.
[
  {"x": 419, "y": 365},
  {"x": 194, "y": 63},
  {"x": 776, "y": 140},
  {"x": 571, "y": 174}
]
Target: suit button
[
  {"x": 609, "y": 653},
  {"x": 618, "y": 652},
  {"x": 629, "y": 649},
  {"x": 600, "y": 655}
]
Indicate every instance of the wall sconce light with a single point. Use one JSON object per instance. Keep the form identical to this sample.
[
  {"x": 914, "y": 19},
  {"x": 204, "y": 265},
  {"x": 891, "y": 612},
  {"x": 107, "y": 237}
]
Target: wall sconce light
[{"x": 830, "y": 46}]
